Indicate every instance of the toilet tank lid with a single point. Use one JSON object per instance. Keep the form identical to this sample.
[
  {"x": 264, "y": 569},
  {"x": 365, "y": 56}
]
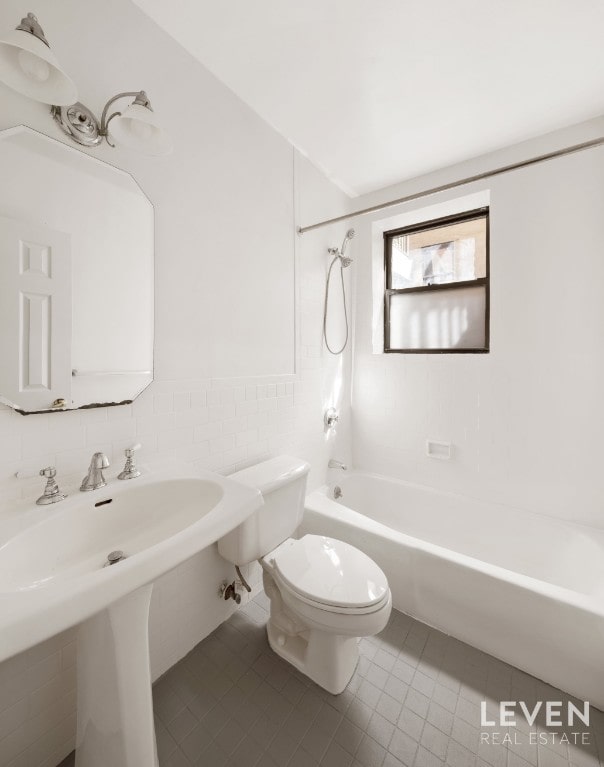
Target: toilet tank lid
[{"x": 272, "y": 474}]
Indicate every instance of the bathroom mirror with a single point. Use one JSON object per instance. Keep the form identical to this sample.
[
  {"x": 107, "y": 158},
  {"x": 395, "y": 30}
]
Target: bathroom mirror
[{"x": 76, "y": 278}]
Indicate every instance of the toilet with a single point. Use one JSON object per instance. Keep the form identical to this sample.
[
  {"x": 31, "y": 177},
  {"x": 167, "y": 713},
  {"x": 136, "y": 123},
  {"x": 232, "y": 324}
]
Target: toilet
[{"x": 324, "y": 594}]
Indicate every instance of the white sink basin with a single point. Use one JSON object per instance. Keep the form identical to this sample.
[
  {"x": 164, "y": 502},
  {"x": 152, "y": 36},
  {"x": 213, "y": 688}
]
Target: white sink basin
[
  {"x": 77, "y": 539},
  {"x": 51, "y": 557},
  {"x": 52, "y": 576}
]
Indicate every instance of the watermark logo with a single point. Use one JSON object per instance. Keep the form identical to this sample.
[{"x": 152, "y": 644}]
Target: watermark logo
[{"x": 572, "y": 722}]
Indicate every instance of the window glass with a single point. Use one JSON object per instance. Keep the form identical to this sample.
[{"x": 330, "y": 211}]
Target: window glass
[
  {"x": 443, "y": 319},
  {"x": 437, "y": 286},
  {"x": 443, "y": 254}
]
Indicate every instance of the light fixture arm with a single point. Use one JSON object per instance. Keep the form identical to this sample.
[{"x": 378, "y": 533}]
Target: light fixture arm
[
  {"x": 82, "y": 125},
  {"x": 141, "y": 99}
]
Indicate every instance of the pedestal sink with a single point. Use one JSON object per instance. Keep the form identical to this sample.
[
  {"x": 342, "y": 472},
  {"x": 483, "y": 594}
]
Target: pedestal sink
[{"x": 53, "y": 575}]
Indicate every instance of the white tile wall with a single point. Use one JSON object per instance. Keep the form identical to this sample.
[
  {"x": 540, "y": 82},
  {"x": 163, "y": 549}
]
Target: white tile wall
[{"x": 524, "y": 420}]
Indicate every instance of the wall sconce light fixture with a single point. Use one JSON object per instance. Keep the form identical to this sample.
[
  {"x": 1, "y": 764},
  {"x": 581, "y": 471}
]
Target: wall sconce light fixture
[{"x": 28, "y": 66}]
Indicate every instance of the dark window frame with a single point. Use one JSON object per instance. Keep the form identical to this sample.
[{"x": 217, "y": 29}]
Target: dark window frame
[{"x": 389, "y": 291}]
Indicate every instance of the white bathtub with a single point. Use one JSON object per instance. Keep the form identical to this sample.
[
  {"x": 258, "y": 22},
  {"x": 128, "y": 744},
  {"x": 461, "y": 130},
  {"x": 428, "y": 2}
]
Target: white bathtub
[{"x": 520, "y": 586}]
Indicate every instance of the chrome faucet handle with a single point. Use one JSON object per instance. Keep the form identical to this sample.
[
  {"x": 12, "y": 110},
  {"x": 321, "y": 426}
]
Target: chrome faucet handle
[
  {"x": 330, "y": 417},
  {"x": 52, "y": 494},
  {"x": 130, "y": 471},
  {"x": 95, "y": 479}
]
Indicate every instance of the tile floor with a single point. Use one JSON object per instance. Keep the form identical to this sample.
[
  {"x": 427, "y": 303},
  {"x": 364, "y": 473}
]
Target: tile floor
[{"x": 413, "y": 702}]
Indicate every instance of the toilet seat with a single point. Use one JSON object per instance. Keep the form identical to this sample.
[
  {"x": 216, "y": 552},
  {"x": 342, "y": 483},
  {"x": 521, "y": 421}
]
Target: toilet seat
[
  {"x": 335, "y": 609},
  {"x": 329, "y": 575}
]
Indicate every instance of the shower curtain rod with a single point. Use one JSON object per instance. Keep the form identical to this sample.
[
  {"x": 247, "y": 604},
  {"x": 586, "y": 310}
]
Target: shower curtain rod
[{"x": 452, "y": 184}]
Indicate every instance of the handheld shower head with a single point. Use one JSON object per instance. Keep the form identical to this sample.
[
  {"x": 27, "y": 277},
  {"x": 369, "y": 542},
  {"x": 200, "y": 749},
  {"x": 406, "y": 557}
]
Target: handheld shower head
[
  {"x": 349, "y": 236},
  {"x": 339, "y": 252}
]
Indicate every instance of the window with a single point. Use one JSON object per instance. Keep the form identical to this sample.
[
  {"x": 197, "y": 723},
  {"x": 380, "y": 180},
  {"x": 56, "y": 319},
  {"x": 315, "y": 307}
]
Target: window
[{"x": 437, "y": 285}]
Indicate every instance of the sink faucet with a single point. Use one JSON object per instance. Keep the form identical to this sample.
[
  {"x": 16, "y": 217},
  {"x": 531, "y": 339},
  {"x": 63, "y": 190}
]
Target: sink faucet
[
  {"x": 130, "y": 471},
  {"x": 95, "y": 479},
  {"x": 333, "y": 464},
  {"x": 52, "y": 494}
]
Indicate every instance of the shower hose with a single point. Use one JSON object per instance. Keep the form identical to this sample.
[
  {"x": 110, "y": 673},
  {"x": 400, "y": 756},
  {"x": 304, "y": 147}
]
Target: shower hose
[{"x": 326, "y": 305}]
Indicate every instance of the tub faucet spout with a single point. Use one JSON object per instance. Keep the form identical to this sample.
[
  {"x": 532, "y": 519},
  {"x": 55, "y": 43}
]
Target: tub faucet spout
[{"x": 333, "y": 464}]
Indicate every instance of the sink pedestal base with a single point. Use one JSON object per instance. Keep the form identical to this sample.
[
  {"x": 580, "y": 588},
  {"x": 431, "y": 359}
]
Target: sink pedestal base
[{"x": 115, "y": 707}]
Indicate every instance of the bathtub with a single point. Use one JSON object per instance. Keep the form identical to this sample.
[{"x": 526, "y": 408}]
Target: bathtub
[{"x": 523, "y": 587}]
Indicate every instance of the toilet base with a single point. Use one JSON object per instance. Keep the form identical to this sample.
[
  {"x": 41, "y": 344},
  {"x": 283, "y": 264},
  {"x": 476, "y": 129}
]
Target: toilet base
[{"x": 328, "y": 659}]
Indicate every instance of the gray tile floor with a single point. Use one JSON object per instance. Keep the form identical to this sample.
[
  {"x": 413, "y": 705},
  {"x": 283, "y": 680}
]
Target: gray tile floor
[{"x": 413, "y": 701}]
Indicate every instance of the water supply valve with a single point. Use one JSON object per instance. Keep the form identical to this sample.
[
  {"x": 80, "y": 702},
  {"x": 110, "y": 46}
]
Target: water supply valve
[{"x": 229, "y": 591}]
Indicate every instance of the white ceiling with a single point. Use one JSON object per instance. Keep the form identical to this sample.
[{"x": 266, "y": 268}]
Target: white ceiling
[{"x": 377, "y": 91}]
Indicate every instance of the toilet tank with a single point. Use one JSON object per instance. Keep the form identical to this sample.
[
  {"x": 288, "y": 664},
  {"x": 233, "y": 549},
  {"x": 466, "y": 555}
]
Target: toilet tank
[{"x": 282, "y": 482}]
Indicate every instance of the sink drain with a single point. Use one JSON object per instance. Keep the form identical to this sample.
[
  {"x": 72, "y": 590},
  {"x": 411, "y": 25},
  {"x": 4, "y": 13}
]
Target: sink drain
[{"x": 114, "y": 557}]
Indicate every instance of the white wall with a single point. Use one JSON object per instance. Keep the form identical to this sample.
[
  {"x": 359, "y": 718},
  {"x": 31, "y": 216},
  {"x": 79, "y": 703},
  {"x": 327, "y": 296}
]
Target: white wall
[
  {"x": 526, "y": 419},
  {"x": 225, "y": 201}
]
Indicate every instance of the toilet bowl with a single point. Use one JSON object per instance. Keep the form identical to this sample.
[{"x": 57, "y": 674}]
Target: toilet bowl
[{"x": 324, "y": 594}]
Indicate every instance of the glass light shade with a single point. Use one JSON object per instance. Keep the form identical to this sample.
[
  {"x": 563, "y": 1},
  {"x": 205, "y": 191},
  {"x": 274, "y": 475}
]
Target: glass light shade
[
  {"x": 29, "y": 67},
  {"x": 136, "y": 128}
]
